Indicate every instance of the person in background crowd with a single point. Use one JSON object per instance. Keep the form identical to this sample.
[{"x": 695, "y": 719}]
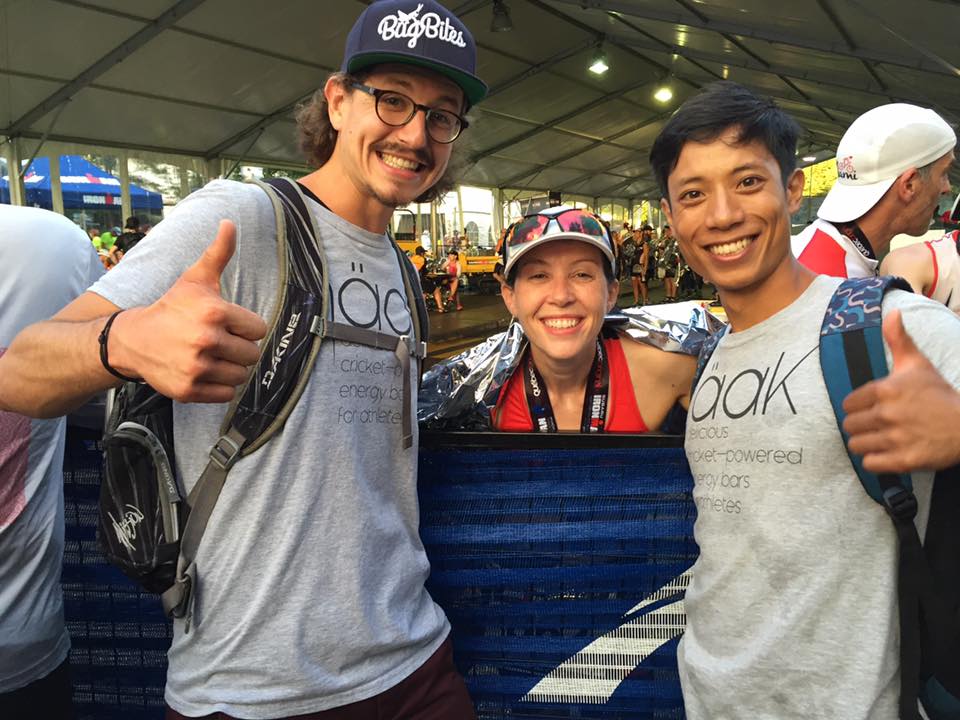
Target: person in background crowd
[
  {"x": 499, "y": 276},
  {"x": 451, "y": 282},
  {"x": 107, "y": 240},
  {"x": 932, "y": 268},
  {"x": 638, "y": 268},
  {"x": 94, "y": 232},
  {"x": 130, "y": 237},
  {"x": 107, "y": 259},
  {"x": 34, "y": 669},
  {"x": 893, "y": 165},
  {"x": 669, "y": 264},
  {"x": 419, "y": 259},
  {"x": 561, "y": 281},
  {"x": 626, "y": 252},
  {"x": 653, "y": 253},
  {"x": 311, "y": 569},
  {"x": 783, "y": 524}
]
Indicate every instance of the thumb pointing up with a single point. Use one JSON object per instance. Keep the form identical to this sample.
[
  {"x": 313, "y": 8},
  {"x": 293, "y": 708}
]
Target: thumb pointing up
[
  {"x": 211, "y": 264},
  {"x": 907, "y": 420},
  {"x": 906, "y": 356}
]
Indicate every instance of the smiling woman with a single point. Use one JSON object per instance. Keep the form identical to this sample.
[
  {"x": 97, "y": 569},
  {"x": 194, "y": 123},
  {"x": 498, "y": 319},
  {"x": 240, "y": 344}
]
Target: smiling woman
[{"x": 560, "y": 269}]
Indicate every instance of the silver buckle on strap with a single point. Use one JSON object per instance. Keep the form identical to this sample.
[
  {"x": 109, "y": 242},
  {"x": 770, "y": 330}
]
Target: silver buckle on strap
[
  {"x": 224, "y": 453},
  {"x": 417, "y": 349}
]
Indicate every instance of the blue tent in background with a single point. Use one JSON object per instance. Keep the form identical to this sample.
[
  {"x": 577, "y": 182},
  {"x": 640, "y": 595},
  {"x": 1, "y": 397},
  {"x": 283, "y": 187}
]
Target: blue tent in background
[{"x": 83, "y": 184}]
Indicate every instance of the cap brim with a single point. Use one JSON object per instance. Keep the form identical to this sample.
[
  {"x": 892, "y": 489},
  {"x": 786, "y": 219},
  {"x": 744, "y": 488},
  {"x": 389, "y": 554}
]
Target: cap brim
[
  {"x": 845, "y": 203},
  {"x": 473, "y": 87},
  {"x": 515, "y": 255}
]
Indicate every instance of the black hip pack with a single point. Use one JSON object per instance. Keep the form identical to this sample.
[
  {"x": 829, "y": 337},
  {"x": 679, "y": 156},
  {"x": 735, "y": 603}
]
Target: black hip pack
[{"x": 147, "y": 528}]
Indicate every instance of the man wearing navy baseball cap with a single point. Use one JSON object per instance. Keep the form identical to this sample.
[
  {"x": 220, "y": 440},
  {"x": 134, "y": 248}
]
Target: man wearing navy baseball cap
[{"x": 310, "y": 600}]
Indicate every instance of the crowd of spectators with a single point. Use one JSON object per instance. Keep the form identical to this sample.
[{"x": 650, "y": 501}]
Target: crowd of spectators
[
  {"x": 111, "y": 245},
  {"x": 648, "y": 258}
]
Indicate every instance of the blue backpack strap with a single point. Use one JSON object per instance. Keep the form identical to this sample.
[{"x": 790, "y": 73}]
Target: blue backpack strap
[{"x": 852, "y": 354}]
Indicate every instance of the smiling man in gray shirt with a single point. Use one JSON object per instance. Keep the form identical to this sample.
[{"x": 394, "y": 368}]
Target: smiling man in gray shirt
[
  {"x": 792, "y": 609},
  {"x": 312, "y": 598}
]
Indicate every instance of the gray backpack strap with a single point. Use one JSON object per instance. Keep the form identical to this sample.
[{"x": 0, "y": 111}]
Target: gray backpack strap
[
  {"x": 287, "y": 355},
  {"x": 177, "y": 599},
  {"x": 253, "y": 416}
]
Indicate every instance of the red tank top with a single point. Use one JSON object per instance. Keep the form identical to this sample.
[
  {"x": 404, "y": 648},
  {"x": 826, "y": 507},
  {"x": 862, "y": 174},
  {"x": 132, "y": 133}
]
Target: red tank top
[{"x": 623, "y": 414}]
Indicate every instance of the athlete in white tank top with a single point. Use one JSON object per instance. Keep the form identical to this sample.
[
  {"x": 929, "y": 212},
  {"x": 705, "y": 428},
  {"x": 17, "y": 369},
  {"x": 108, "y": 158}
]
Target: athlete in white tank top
[{"x": 931, "y": 268}]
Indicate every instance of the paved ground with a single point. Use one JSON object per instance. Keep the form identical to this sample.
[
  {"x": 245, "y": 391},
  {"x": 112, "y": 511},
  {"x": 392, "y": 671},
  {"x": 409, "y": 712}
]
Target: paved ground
[{"x": 481, "y": 317}]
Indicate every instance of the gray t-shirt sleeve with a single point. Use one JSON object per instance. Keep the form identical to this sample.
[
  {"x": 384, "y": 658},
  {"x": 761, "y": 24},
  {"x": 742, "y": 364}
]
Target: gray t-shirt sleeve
[
  {"x": 934, "y": 328},
  {"x": 153, "y": 266}
]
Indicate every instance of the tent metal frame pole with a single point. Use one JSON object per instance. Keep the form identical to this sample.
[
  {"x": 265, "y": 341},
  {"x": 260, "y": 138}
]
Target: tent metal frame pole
[
  {"x": 56, "y": 189},
  {"x": 17, "y": 192},
  {"x": 126, "y": 202},
  {"x": 119, "y": 53}
]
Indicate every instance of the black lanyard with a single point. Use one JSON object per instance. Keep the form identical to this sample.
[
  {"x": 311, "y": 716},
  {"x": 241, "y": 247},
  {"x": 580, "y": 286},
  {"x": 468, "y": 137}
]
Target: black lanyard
[
  {"x": 594, "y": 416},
  {"x": 855, "y": 235}
]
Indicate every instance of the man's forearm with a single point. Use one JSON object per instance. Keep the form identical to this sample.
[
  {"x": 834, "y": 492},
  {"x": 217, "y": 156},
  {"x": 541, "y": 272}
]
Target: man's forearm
[{"x": 53, "y": 367}]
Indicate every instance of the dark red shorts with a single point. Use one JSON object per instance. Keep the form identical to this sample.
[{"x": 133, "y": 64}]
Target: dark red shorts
[
  {"x": 48, "y": 698},
  {"x": 435, "y": 691}
]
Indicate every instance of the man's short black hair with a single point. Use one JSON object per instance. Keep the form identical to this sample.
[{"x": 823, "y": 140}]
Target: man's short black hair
[
  {"x": 717, "y": 107},
  {"x": 133, "y": 223}
]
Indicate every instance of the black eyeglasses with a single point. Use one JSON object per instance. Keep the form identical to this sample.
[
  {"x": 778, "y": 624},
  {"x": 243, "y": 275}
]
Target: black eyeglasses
[{"x": 396, "y": 109}]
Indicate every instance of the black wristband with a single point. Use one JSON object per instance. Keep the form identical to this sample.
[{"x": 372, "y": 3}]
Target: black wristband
[{"x": 104, "y": 360}]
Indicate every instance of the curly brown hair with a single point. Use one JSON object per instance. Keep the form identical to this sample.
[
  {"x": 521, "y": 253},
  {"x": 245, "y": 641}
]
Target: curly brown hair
[{"x": 318, "y": 137}]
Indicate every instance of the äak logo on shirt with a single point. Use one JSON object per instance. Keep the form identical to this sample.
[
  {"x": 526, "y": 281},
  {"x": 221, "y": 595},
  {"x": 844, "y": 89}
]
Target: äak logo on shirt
[
  {"x": 411, "y": 27},
  {"x": 366, "y": 304},
  {"x": 750, "y": 392},
  {"x": 846, "y": 169}
]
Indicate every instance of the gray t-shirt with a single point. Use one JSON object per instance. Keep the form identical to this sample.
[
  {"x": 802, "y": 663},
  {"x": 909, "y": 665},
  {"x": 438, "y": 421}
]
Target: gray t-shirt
[
  {"x": 311, "y": 570},
  {"x": 792, "y": 610}
]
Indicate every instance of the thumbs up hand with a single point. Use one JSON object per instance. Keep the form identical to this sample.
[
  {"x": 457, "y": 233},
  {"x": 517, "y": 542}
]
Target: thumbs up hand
[
  {"x": 909, "y": 420},
  {"x": 191, "y": 344}
]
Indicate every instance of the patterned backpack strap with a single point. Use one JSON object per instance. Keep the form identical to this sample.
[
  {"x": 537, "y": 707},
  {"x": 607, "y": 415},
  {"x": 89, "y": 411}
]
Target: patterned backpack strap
[{"x": 852, "y": 354}]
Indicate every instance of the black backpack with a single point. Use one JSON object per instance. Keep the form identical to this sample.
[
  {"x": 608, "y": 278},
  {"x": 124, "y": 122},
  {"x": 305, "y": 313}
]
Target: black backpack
[
  {"x": 928, "y": 586},
  {"x": 146, "y": 527}
]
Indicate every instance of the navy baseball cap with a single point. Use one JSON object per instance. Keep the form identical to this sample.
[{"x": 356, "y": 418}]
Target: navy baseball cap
[{"x": 415, "y": 32}]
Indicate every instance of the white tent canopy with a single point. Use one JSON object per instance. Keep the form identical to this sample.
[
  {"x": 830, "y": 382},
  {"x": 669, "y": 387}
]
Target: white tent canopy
[{"x": 219, "y": 79}]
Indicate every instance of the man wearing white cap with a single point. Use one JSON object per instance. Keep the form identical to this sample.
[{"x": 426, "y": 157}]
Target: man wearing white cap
[{"x": 892, "y": 167}]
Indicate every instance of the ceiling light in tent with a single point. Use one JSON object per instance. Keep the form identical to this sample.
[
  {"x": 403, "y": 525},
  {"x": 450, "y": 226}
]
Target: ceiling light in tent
[
  {"x": 599, "y": 63},
  {"x": 663, "y": 94},
  {"x": 809, "y": 158},
  {"x": 501, "y": 17}
]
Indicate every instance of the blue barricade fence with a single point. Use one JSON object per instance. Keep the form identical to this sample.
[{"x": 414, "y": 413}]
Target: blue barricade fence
[
  {"x": 119, "y": 635},
  {"x": 560, "y": 560}
]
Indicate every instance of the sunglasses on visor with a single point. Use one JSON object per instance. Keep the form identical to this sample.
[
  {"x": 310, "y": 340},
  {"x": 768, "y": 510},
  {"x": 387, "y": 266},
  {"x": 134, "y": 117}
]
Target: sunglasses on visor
[{"x": 533, "y": 227}]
